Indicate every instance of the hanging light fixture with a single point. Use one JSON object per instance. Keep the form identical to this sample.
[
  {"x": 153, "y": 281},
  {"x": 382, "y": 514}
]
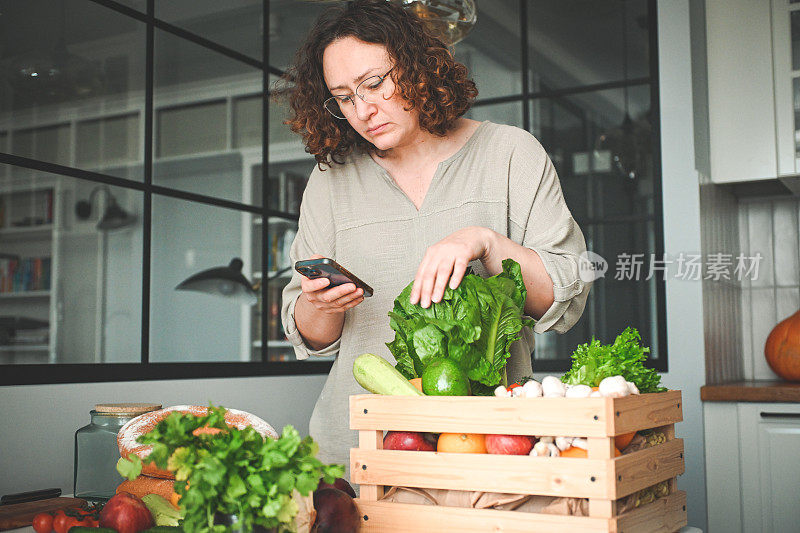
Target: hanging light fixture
[
  {"x": 449, "y": 20},
  {"x": 629, "y": 143},
  {"x": 54, "y": 75}
]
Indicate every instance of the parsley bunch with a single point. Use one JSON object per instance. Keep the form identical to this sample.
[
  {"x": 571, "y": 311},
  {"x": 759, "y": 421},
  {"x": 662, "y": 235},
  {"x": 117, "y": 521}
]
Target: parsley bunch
[
  {"x": 233, "y": 471},
  {"x": 592, "y": 362}
]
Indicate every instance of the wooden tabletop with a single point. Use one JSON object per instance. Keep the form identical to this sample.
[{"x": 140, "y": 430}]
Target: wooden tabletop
[{"x": 752, "y": 391}]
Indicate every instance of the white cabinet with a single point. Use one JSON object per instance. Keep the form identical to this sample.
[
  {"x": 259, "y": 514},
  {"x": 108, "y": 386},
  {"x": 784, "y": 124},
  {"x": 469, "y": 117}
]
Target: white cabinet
[
  {"x": 752, "y": 467},
  {"x": 751, "y": 116}
]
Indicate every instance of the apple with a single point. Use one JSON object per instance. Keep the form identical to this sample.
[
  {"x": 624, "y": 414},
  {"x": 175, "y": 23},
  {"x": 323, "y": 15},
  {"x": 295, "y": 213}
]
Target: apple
[
  {"x": 509, "y": 444},
  {"x": 126, "y": 513},
  {"x": 407, "y": 440},
  {"x": 340, "y": 484}
]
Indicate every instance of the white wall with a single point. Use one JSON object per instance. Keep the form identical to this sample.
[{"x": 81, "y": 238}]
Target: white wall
[
  {"x": 768, "y": 226},
  {"x": 38, "y": 422},
  {"x": 681, "y": 198}
]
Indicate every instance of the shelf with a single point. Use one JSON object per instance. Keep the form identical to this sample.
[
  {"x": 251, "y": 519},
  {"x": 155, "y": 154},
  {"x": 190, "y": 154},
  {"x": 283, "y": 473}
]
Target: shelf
[
  {"x": 42, "y": 231},
  {"x": 273, "y": 344},
  {"x": 286, "y": 275},
  {"x": 275, "y": 221},
  {"x": 25, "y": 348},
  {"x": 24, "y": 294}
]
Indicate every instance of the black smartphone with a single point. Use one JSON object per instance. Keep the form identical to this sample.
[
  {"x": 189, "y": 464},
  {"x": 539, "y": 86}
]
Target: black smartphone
[{"x": 328, "y": 268}]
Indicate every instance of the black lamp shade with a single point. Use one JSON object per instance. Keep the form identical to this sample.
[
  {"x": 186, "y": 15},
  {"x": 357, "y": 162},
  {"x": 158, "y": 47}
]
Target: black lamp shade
[
  {"x": 115, "y": 217},
  {"x": 226, "y": 281}
]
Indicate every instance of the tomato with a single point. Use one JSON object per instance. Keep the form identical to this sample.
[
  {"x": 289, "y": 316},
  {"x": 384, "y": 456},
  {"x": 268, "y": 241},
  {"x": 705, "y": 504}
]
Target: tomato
[
  {"x": 43, "y": 523},
  {"x": 461, "y": 443},
  {"x": 60, "y": 522},
  {"x": 71, "y": 522}
]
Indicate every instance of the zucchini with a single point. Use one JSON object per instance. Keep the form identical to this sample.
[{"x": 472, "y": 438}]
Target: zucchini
[
  {"x": 85, "y": 529},
  {"x": 377, "y": 375}
]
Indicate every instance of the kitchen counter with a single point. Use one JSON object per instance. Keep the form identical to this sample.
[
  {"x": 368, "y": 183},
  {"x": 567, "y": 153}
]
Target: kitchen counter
[{"x": 752, "y": 391}]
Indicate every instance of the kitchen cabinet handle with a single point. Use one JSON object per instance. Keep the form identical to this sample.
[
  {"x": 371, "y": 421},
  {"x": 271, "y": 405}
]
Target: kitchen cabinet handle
[{"x": 765, "y": 414}]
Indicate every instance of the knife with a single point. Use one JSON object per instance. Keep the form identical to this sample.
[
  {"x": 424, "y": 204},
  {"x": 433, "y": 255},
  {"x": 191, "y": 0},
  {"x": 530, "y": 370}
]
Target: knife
[{"x": 32, "y": 496}]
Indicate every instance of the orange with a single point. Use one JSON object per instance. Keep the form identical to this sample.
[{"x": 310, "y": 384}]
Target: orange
[
  {"x": 622, "y": 441},
  {"x": 574, "y": 451},
  {"x": 417, "y": 382},
  {"x": 461, "y": 443}
]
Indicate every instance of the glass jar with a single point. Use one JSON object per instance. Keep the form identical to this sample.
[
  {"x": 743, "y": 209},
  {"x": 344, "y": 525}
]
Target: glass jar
[{"x": 96, "y": 450}]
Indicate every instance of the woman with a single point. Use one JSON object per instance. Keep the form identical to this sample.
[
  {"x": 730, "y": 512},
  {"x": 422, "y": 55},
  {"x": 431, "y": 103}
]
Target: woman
[{"x": 406, "y": 188}]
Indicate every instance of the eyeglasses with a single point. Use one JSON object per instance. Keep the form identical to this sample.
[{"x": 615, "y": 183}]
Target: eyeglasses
[{"x": 371, "y": 91}]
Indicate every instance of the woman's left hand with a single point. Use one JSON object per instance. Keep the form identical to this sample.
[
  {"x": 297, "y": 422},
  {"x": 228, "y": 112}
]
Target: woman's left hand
[{"x": 447, "y": 260}]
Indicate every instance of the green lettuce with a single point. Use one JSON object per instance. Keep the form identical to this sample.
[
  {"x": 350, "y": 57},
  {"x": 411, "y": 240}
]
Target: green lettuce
[
  {"x": 592, "y": 362},
  {"x": 474, "y": 325}
]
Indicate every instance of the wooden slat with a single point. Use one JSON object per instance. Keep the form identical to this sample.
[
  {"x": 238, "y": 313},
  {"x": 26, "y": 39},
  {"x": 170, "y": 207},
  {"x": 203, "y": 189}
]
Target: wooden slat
[
  {"x": 639, "y": 470},
  {"x": 580, "y": 417},
  {"x": 645, "y": 411},
  {"x": 549, "y": 476},
  {"x": 600, "y": 448},
  {"x": 665, "y": 515},
  {"x": 370, "y": 440},
  {"x": 584, "y": 417},
  {"x": 602, "y": 508},
  {"x": 385, "y": 517}
]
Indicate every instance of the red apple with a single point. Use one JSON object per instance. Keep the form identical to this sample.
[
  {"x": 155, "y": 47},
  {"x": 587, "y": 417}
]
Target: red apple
[
  {"x": 340, "y": 484},
  {"x": 509, "y": 444},
  {"x": 126, "y": 513},
  {"x": 407, "y": 440}
]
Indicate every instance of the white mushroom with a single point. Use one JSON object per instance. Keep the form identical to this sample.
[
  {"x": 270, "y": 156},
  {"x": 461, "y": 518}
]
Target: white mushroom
[
  {"x": 544, "y": 449},
  {"x": 632, "y": 387},
  {"x": 578, "y": 391},
  {"x": 595, "y": 394},
  {"x": 552, "y": 387},
  {"x": 532, "y": 389},
  {"x": 581, "y": 443},
  {"x": 546, "y": 440},
  {"x": 517, "y": 392},
  {"x": 614, "y": 387},
  {"x": 501, "y": 392},
  {"x": 539, "y": 449},
  {"x": 562, "y": 443}
]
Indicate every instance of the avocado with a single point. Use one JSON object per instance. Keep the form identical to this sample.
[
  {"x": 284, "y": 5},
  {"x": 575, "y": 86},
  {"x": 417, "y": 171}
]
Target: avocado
[{"x": 164, "y": 514}]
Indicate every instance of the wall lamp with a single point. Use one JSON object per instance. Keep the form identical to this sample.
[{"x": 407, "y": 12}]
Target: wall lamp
[{"x": 114, "y": 216}]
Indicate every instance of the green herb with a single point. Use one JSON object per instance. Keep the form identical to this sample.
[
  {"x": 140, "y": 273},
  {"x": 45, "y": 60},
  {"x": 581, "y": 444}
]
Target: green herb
[
  {"x": 234, "y": 471},
  {"x": 593, "y": 362},
  {"x": 474, "y": 325}
]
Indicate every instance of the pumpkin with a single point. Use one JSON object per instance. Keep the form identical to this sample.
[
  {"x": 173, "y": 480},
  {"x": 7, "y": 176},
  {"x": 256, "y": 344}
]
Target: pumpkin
[{"x": 782, "y": 349}]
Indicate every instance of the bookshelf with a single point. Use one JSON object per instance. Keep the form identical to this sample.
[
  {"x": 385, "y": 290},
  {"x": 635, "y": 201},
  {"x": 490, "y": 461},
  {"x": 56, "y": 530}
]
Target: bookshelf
[{"x": 28, "y": 246}]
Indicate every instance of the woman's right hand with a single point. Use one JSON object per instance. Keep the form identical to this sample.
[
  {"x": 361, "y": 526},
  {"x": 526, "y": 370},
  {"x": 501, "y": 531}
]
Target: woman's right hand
[{"x": 330, "y": 300}]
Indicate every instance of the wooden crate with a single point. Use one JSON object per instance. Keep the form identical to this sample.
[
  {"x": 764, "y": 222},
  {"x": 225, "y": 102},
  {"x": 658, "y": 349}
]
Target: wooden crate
[{"x": 600, "y": 477}]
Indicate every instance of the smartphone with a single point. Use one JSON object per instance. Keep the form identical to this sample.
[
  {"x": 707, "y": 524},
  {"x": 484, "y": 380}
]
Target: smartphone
[{"x": 328, "y": 268}]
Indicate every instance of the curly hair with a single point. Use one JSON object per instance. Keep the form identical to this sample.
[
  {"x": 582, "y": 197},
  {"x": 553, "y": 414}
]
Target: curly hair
[{"x": 425, "y": 73}]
